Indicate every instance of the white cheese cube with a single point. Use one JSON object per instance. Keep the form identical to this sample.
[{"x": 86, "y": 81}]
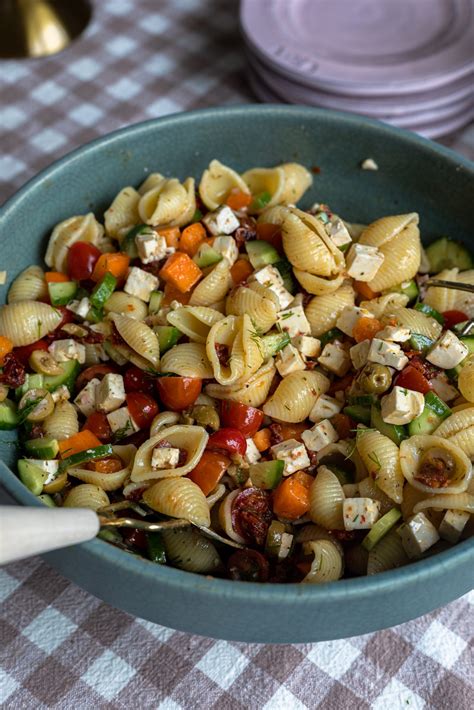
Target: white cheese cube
[
  {"x": 151, "y": 246},
  {"x": 121, "y": 422},
  {"x": 349, "y": 317},
  {"x": 320, "y": 435},
  {"x": 363, "y": 262},
  {"x": 443, "y": 388},
  {"x": 86, "y": 399},
  {"x": 386, "y": 353},
  {"x": 110, "y": 393},
  {"x": 50, "y": 468},
  {"x": 68, "y": 349},
  {"x": 325, "y": 408},
  {"x": 335, "y": 358},
  {"x": 294, "y": 322},
  {"x": 60, "y": 394},
  {"x": 402, "y": 405},
  {"x": 140, "y": 283},
  {"x": 270, "y": 277},
  {"x": 286, "y": 543},
  {"x": 369, "y": 164},
  {"x": 227, "y": 247},
  {"x": 418, "y": 534},
  {"x": 359, "y": 354},
  {"x": 307, "y": 345},
  {"x": 80, "y": 308},
  {"x": 448, "y": 351},
  {"x": 293, "y": 454},
  {"x": 338, "y": 232},
  {"x": 452, "y": 525},
  {"x": 395, "y": 333},
  {"x": 252, "y": 454},
  {"x": 221, "y": 221},
  {"x": 289, "y": 360},
  {"x": 164, "y": 457},
  {"x": 360, "y": 513}
]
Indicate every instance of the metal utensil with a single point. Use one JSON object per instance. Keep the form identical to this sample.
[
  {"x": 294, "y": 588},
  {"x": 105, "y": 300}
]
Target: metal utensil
[{"x": 440, "y": 283}]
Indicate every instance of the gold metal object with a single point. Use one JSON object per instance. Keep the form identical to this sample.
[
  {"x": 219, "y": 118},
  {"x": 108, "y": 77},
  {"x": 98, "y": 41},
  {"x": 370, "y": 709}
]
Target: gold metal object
[
  {"x": 440, "y": 283},
  {"x": 36, "y": 28}
]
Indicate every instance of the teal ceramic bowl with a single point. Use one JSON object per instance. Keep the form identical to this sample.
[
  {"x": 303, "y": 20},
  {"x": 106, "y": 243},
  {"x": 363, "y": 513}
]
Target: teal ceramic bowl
[{"x": 414, "y": 175}]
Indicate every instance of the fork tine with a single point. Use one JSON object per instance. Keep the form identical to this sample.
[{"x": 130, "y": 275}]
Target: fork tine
[{"x": 440, "y": 283}]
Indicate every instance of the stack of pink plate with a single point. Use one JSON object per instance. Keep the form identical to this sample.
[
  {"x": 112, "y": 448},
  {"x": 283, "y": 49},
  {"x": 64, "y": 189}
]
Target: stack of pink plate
[{"x": 407, "y": 62}]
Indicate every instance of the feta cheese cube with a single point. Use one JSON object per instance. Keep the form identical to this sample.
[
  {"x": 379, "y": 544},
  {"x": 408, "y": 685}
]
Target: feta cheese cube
[
  {"x": 293, "y": 454},
  {"x": 338, "y": 232},
  {"x": 369, "y": 164},
  {"x": 86, "y": 399},
  {"x": 227, "y": 247},
  {"x": 448, "y": 351},
  {"x": 121, "y": 422},
  {"x": 50, "y": 468},
  {"x": 418, "y": 534},
  {"x": 164, "y": 457},
  {"x": 151, "y": 246},
  {"x": 294, "y": 322},
  {"x": 252, "y": 454},
  {"x": 335, "y": 358},
  {"x": 320, "y": 435},
  {"x": 325, "y": 408},
  {"x": 60, "y": 394},
  {"x": 359, "y": 354},
  {"x": 68, "y": 349},
  {"x": 402, "y": 405},
  {"x": 289, "y": 360},
  {"x": 270, "y": 277},
  {"x": 80, "y": 308},
  {"x": 307, "y": 345},
  {"x": 221, "y": 221},
  {"x": 396, "y": 333},
  {"x": 363, "y": 262},
  {"x": 452, "y": 525},
  {"x": 286, "y": 542},
  {"x": 443, "y": 388},
  {"x": 386, "y": 353},
  {"x": 360, "y": 513},
  {"x": 140, "y": 283},
  {"x": 110, "y": 393},
  {"x": 349, "y": 317}
]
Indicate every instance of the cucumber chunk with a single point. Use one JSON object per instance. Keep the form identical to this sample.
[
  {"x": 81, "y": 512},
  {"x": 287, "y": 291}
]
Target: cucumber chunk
[
  {"x": 420, "y": 342},
  {"x": 70, "y": 370},
  {"x": 278, "y": 542},
  {"x": 261, "y": 253},
  {"x": 9, "y": 418},
  {"x": 273, "y": 342},
  {"x": 62, "y": 293},
  {"x": 266, "y": 474},
  {"x": 42, "y": 448},
  {"x": 98, "y": 452},
  {"x": 381, "y": 528},
  {"x": 206, "y": 256},
  {"x": 128, "y": 244},
  {"x": 286, "y": 273},
  {"x": 395, "y": 432},
  {"x": 445, "y": 253},
  {"x": 408, "y": 288},
  {"x": 103, "y": 291},
  {"x": 366, "y": 400},
  {"x": 31, "y": 382},
  {"x": 32, "y": 476},
  {"x": 429, "y": 311},
  {"x": 156, "y": 299},
  {"x": 168, "y": 336},
  {"x": 358, "y": 413},
  {"x": 434, "y": 412},
  {"x": 156, "y": 548}
]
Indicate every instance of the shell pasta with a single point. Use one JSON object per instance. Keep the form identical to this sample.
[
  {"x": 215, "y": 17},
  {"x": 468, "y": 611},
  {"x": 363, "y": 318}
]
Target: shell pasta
[{"x": 278, "y": 384}]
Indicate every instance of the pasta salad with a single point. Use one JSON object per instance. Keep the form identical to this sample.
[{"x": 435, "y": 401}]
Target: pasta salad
[{"x": 282, "y": 381}]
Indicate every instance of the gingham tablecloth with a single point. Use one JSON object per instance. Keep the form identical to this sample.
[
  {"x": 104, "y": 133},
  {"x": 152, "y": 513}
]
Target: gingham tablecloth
[{"x": 61, "y": 647}]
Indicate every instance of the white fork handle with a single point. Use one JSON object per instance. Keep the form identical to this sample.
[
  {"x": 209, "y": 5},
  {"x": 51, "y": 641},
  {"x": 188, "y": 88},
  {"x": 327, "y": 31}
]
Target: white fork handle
[{"x": 25, "y": 532}]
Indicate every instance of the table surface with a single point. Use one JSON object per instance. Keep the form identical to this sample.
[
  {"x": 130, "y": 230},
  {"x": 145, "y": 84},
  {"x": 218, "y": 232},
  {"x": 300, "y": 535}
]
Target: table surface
[{"x": 60, "y": 647}]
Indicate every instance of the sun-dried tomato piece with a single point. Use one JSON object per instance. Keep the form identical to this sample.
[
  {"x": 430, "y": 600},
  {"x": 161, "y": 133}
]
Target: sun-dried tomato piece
[
  {"x": 248, "y": 566},
  {"x": 246, "y": 232},
  {"x": 275, "y": 433},
  {"x": 222, "y": 352},
  {"x": 252, "y": 515},
  {"x": 14, "y": 373}
]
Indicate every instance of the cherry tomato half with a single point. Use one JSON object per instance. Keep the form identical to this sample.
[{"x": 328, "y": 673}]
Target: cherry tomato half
[
  {"x": 93, "y": 371},
  {"x": 142, "y": 408},
  {"x": 209, "y": 471},
  {"x": 227, "y": 439},
  {"x": 453, "y": 317},
  {"x": 248, "y": 566},
  {"x": 411, "y": 378},
  {"x": 178, "y": 392},
  {"x": 98, "y": 424},
  {"x": 24, "y": 351},
  {"x": 247, "y": 420},
  {"x": 136, "y": 380},
  {"x": 81, "y": 259}
]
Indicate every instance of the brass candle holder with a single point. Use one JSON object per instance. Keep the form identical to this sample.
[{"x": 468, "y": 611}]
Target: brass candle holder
[{"x": 36, "y": 28}]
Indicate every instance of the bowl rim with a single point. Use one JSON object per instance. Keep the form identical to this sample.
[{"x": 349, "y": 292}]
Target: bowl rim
[{"x": 343, "y": 590}]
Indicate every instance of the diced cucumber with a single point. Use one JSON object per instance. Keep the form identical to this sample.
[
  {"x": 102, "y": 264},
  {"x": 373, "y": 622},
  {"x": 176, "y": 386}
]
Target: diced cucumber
[
  {"x": 266, "y": 474},
  {"x": 445, "y": 253},
  {"x": 128, "y": 244},
  {"x": 366, "y": 400},
  {"x": 434, "y": 412},
  {"x": 206, "y": 256},
  {"x": 98, "y": 452},
  {"x": 31, "y": 382},
  {"x": 408, "y": 288},
  {"x": 32, "y": 476},
  {"x": 276, "y": 545},
  {"x": 156, "y": 548},
  {"x": 114, "y": 354},
  {"x": 156, "y": 299},
  {"x": 261, "y": 253},
  {"x": 168, "y": 336},
  {"x": 95, "y": 315},
  {"x": 273, "y": 342},
  {"x": 330, "y": 335},
  {"x": 420, "y": 342},
  {"x": 429, "y": 311},
  {"x": 358, "y": 413},
  {"x": 341, "y": 473},
  {"x": 70, "y": 370},
  {"x": 62, "y": 292},
  {"x": 9, "y": 418},
  {"x": 42, "y": 448},
  {"x": 381, "y": 528},
  {"x": 468, "y": 341},
  {"x": 260, "y": 201},
  {"x": 395, "y": 432},
  {"x": 110, "y": 535},
  {"x": 47, "y": 500},
  {"x": 286, "y": 273},
  {"x": 103, "y": 291}
]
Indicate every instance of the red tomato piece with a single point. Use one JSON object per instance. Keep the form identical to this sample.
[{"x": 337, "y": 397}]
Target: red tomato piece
[
  {"x": 247, "y": 420},
  {"x": 248, "y": 566},
  {"x": 453, "y": 318},
  {"x": 24, "y": 351},
  {"x": 142, "y": 407},
  {"x": 227, "y": 439},
  {"x": 252, "y": 514},
  {"x": 411, "y": 378},
  {"x": 93, "y": 371},
  {"x": 136, "y": 380},
  {"x": 81, "y": 259},
  {"x": 178, "y": 392},
  {"x": 98, "y": 424}
]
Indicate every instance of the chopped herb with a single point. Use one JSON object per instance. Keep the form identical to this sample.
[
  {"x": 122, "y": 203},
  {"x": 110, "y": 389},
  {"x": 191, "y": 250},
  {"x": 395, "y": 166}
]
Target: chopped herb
[
  {"x": 373, "y": 457},
  {"x": 380, "y": 346},
  {"x": 125, "y": 431},
  {"x": 354, "y": 520},
  {"x": 286, "y": 315}
]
